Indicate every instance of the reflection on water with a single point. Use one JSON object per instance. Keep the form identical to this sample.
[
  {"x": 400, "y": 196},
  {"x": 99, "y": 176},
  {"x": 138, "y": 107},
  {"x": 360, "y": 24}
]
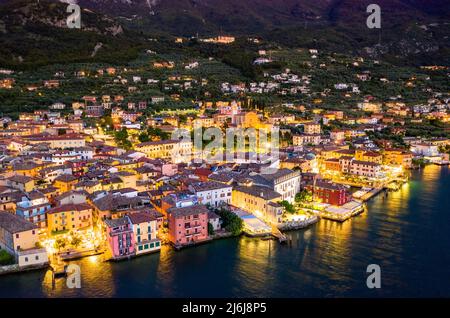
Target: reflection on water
[
  {"x": 406, "y": 233},
  {"x": 254, "y": 267},
  {"x": 96, "y": 280}
]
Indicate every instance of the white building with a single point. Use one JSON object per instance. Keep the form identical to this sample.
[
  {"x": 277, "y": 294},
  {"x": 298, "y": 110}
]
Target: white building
[
  {"x": 212, "y": 193},
  {"x": 284, "y": 181}
]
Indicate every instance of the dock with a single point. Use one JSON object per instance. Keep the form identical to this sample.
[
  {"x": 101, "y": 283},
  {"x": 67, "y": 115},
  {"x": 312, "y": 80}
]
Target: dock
[
  {"x": 277, "y": 233},
  {"x": 367, "y": 194}
]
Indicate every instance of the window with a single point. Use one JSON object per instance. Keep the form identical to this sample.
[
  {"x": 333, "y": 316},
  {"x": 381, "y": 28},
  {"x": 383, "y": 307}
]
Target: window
[
  {"x": 152, "y": 245},
  {"x": 140, "y": 248},
  {"x": 17, "y": 236},
  {"x": 26, "y": 259},
  {"x": 37, "y": 257},
  {"x": 157, "y": 244}
]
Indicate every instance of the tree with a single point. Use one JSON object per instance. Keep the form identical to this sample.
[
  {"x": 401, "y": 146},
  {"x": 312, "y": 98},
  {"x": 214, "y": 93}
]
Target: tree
[
  {"x": 121, "y": 138},
  {"x": 288, "y": 207},
  {"x": 6, "y": 258},
  {"x": 231, "y": 222},
  {"x": 303, "y": 196},
  {"x": 143, "y": 137},
  {"x": 76, "y": 240},
  {"x": 157, "y": 133},
  {"x": 210, "y": 229},
  {"x": 60, "y": 243},
  {"x": 106, "y": 122}
]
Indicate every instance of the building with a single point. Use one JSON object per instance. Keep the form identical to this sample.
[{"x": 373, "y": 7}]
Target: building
[
  {"x": 188, "y": 225},
  {"x": 178, "y": 151},
  {"x": 370, "y": 156},
  {"x": 259, "y": 200},
  {"x": 65, "y": 182},
  {"x": 329, "y": 193},
  {"x": 425, "y": 149},
  {"x": 364, "y": 168},
  {"x": 212, "y": 193},
  {"x": 69, "y": 217},
  {"x": 312, "y": 128},
  {"x": 59, "y": 141},
  {"x": 397, "y": 157},
  {"x": 306, "y": 139},
  {"x": 120, "y": 237},
  {"x": 145, "y": 229},
  {"x": 214, "y": 220},
  {"x": 21, "y": 182},
  {"x": 370, "y": 107},
  {"x": 19, "y": 238},
  {"x": 33, "y": 207},
  {"x": 337, "y": 136},
  {"x": 246, "y": 120},
  {"x": 284, "y": 181}
]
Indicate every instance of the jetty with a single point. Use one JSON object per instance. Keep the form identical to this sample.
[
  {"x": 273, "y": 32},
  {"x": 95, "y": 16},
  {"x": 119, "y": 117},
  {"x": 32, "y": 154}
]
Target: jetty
[{"x": 277, "y": 233}]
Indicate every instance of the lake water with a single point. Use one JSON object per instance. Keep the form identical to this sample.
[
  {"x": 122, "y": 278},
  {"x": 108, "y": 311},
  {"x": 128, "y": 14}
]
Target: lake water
[{"x": 407, "y": 234}]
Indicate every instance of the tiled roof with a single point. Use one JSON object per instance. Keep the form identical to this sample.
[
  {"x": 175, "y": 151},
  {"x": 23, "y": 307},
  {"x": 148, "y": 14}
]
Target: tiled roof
[
  {"x": 141, "y": 217},
  {"x": 70, "y": 207},
  {"x": 189, "y": 210},
  {"x": 20, "y": 178},
  {"x": 14, "y": 223},
  {"x": 259, "y": 191}
]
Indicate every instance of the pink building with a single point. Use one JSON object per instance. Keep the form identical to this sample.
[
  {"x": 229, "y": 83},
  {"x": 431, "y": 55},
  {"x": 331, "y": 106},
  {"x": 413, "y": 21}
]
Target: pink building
[
  {"x": 188, "y": 225},
  {"x": 120, "y": 237}
]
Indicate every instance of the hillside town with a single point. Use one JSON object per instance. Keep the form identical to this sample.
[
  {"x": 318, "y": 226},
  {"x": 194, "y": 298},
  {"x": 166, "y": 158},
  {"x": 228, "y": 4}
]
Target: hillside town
[
  {"x": 109, "y": 174},
  {"x": 69, "y": 190}
]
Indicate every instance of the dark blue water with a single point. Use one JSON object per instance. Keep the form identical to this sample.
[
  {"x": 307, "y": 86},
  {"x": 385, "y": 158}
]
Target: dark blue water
[{"x": 407, "y": 234}]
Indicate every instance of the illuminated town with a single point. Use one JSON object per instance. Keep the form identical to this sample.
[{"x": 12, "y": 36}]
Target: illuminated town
[{"x": 205, "y": 138}]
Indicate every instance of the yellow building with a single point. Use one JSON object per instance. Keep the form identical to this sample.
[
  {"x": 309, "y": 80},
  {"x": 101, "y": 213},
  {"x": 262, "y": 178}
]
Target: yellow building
[
  {"x": 178, "y": 151},
  {"x": 21, "y": 182},
  {"x": 27, "y": 169},
  {"x": 145, "y": 228},
  {"x": 260, "y": 201},
  {"x": 19, "y": 238},
  {"x": 369, "y": 156},
  {"x": 59, "y": 142},
  {"x": 65, "y": 182},
  {"x": 247, "y": 120},
  {"x": 397, "y": 157},
  {"x": 69, "y": 217},
  {"x": 312, "y": 128},
  {"x": 90, "y": 186}
]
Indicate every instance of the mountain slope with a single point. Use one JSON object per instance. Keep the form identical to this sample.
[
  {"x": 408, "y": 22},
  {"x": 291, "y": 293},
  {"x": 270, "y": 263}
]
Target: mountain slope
[
  {"x": 411, "y": 29},
  {"x": 36, "y": 34}
]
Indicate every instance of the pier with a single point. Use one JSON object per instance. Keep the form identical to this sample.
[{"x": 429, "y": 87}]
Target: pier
[{"x": 277, "y": 233}]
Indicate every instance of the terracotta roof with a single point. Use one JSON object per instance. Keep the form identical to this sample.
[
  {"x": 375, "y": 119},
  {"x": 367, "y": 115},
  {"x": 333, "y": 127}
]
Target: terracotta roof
[
  {"x": 189, "y": 210},
  {"x": 14, "y": 223},
  {"x": 65, "y": 178},
  {"x": 141, "y": 217},
  {"x": 20, "y": 178}
]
